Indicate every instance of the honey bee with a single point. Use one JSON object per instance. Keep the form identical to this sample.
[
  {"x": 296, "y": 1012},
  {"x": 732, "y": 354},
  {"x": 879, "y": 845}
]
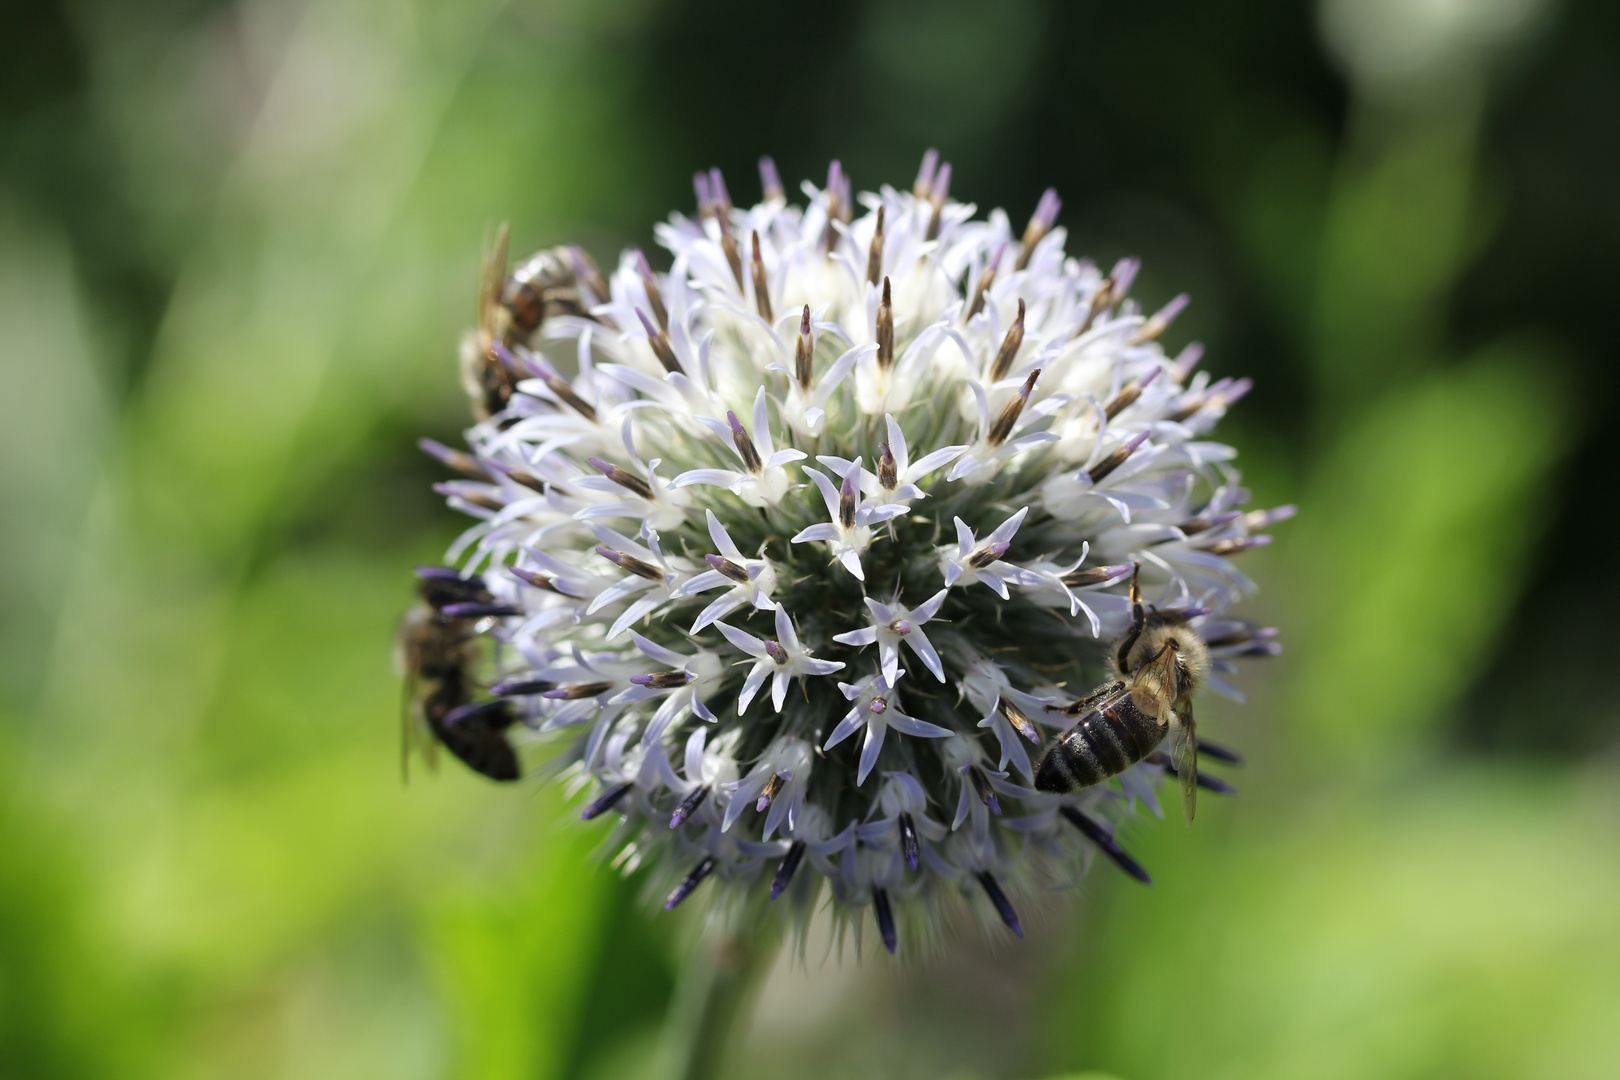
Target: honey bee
[
  {"x": 511, "y": 308},
  {"x": 438, "y": 648},
  {"x": 1159, "y": 664}
]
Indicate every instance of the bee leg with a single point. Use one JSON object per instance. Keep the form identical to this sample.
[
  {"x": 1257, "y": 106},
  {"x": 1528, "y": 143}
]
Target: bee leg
[{"x": 1138, "y": 619}]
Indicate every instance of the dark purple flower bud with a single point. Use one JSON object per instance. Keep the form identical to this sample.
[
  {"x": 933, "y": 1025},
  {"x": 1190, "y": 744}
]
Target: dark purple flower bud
[
  {"x": 1004, "y": 906},
  {"x": 690, "y": 882}
]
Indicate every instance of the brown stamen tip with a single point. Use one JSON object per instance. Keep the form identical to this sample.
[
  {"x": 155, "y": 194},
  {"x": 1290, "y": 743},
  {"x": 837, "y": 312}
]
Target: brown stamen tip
[
  {"x": 1009, "y": 414},
  {"x": 1020, "y": 722},
  {"x": 658, "y": 339},
  {"x": 1128, "y": 395},
  {"x": 1102, "y": 298},
  {"x": 986, "y": 277},
  {"x": 629, "y": 562},
  {"x": 728, "y": 568},
  {"x": 629, "y": 481},
  {"x": 655, "y": 298},
  {"x": 885, "y": 329},
  {"x": 874, "y": 253},
  {"x": 888, "y": 470},
  {"x": 745, "y": 445},
  {"x": 772, "y": 786},
  {"x": 762, "y": 294},
  {"x": 982, "y": 788},
  {"x": 1009, "y": 347},
  {"x": 804, "y": 351},
  {"x": 728, "y": 244}
]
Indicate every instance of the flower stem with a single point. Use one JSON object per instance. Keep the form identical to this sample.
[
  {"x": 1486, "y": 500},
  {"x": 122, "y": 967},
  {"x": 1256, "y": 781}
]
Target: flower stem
[{"x": 713, "y": 994}]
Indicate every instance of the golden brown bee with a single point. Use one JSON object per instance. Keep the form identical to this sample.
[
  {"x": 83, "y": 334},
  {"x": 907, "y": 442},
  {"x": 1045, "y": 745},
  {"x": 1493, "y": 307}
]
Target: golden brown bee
[
  {"x": 511, "y": 308},
  {"x": 438, "y": 649},
  {"x": 1160, "y": 663}
]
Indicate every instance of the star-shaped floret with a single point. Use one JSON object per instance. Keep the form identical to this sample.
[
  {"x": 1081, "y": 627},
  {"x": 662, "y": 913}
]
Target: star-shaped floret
[
  {"x": 968, "y": 561},
  {"x": 873, "y": 710},
  {"x": 782, "y": 660},
  {"x": 894, "y": 623},
  {"x": 850, "y": 530},
  {"x": 764, "y": 480},
  {"x": 751, "y": 581}
]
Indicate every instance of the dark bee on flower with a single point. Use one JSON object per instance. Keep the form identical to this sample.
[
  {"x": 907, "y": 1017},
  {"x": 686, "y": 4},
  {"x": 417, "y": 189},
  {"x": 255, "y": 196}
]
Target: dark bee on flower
[
  {"x": 513, "y": 307},
  {"x": 439, "y": 650},
  {"x": 1161, "y": 662}
]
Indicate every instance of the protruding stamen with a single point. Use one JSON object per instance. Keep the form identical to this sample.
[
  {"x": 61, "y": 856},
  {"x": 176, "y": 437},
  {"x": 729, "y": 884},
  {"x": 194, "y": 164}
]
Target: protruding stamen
[
  {"x": 885, "y": 918},
  {"x": 941, "y": 192},
  {"x": 1195, "y": 525},
  {"x": 884, "y": 332},
  {"x": 770, "y": 181},
  {"x": 472, "y": 609},
  {"x": 629, "y": 562},
  {"x": 986, "y": 277},
  {"x": 577, "y": 691},
  {"x": 1096, "y": 575},
  {"x": 1100, "y": 300},
  {"x": 1219, "y": 752},
  {"x": 605, "y": 802},
  {"x": 848, "y": 493},
  {"x": 538, "y": 580},
  {"x": 1236, "y": 545},
  {"x": 902, "y": 627},
  {"x": 769, "y": 792},
  {"x": 522, "y": 687},
  {"x": 888, "y": 470},
  {"x": 1116, "y": 458},
  {"x": 1099, "y": 834},
  {"x": 662, "y": 680},
  {"x": 722, "y": 198},
  {"x": 1010, "y": 412},
  {"x": 982, "y": 788},
  {"x": 477, "y": 498},
  {"x": 705, "y": 200},
  {"x": 728, "y": 244},
  {"x": 1161, "y": 320},
  {"x": 785, "y": 868},
  {"x": 837, "y": 197},
  {"x": 690, "y": 882},
  {"x": 988, "y": 554},
  {"x": 655, "y": 298},
  {"x": 874, "y": 253},
  {"x": 924, "y": 185},
  {"x": 728, "y": 568},
  {"x": 554, "y": 382},
  {"x": 762, "y": 294},
  {"x": 908, "y": 840},
  {"x": 688, "y": 806},
  {"x": 1128, "y": 394},
  {"x": 1004, "y": 908},
  {"x": 745, "y": 445},
  {"x": 459, "y": 460},
  {"x": 629, "y": 481},
  {"x": 1259, "y": 519},
  {"x": 1020, "y": 722},
  {"x": 519, "y": 476},
  {"x": 1009, "y": 347},
  {"x": 776, "y": 652},
  {"x": 462, "y": 713},
  {"x": 804, "y": 352},
  {"x": 660, "y": 342},
  {"x": 1186, "y": 360},
  {"x": 1040, "y": 223}
]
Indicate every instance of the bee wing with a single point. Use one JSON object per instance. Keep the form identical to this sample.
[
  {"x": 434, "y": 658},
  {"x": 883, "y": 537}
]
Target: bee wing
[
  {"x": 494, "y": 276},
  {"x": 413, "y": 734},
  {"x": 1184, "y": 752}
]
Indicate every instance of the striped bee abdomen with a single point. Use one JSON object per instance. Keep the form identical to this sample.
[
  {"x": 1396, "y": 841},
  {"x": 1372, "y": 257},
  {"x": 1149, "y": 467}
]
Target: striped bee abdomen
[{"x": 1105, "y": 742}]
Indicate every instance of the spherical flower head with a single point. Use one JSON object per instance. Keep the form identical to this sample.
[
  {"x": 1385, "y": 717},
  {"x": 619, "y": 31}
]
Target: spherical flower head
[{"x": 807, "y": 549}]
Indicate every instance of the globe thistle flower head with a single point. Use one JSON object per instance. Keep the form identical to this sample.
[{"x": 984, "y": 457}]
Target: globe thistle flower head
[{"x": 801, "y": 552}]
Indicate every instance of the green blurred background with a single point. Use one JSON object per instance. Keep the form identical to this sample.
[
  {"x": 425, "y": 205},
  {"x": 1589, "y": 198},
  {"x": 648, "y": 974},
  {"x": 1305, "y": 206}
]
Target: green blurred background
[{"x": 237, "y": 243}]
